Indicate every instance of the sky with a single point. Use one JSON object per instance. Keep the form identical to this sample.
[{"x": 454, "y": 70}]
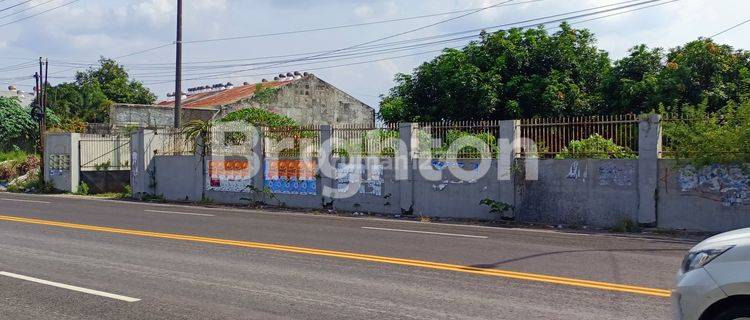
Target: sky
[{"x": 77, "y": 33}]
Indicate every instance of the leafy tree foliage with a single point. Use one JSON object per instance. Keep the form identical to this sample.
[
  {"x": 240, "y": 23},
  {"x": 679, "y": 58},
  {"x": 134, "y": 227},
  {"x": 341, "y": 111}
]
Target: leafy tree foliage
[
  {"x": 531, "y": 73},
  {"x": 260, "y": 118},
  {"x": 18, "y": 131},
  {"x": 94, "y": 90},
  {"x": 508, "y": 74}
]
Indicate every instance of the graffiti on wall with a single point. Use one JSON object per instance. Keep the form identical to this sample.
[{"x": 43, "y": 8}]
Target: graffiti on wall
[
  {"x": 291, "y": 177},
  {"x": 612, "y": 175},
  {"x": 726, "y": 184},
  {"x": 229, "y": 175},
  {"x": 575, "y": 173},
  {"x": 369, "y": 178}
]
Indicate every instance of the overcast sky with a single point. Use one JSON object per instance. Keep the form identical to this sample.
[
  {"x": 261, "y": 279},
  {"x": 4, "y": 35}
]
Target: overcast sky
[{"x": 86, "y": 29}]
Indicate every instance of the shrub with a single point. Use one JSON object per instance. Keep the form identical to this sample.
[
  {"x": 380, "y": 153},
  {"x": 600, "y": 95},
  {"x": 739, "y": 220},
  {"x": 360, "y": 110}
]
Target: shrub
[
  {"x": 705, "y": 139},
  {"x": 595, "y": 147}
]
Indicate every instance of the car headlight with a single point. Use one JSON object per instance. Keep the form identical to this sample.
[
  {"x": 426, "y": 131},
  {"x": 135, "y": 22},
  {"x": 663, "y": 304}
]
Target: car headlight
[{"x": 698, "y": 259}]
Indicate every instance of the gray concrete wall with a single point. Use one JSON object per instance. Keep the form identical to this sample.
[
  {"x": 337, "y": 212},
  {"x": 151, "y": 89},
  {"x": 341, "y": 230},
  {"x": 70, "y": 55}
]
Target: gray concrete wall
[
  {"x": 179, "y": 178},
  {"x": 152, "y": 116},
  {"x": 715, "y": 198},
  {"x": 448, "y": 196},
  {"x": 379, "y": 192},
  {"x": 580, "y": 192}
]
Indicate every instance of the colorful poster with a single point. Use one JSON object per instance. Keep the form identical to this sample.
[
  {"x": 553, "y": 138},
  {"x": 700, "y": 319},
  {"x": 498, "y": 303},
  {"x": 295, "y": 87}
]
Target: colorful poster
[
  {"x": 229, "y": 175},
  {"x": 291, "y": 177}
]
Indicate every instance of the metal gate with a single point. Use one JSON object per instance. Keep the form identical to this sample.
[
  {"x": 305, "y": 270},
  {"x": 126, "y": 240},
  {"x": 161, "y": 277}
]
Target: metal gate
[{"x": 104, "y": 162}]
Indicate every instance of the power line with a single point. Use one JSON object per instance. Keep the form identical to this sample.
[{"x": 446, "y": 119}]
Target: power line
[
  {"x": 223, "y": 75},
  {"x": 263, "y": 35},
  {"x": 729, "y": 29},
  {"x": 26, "y": 9},
  {"x": 565, "y": 17},
  {"x": 409, "y": 31},
  {"x": 15, "y": 5},
  {"x": 39, "y": 13}
]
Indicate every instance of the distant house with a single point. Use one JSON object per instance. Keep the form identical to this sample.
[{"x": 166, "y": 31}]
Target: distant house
[
  {"x": 304, "y": 98},
  {"x": 26, "y": 97}
]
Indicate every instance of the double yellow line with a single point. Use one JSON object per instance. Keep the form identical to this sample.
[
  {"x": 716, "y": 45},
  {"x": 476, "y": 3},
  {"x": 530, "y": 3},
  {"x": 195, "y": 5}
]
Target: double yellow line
[{"x": 355, "y": 256}]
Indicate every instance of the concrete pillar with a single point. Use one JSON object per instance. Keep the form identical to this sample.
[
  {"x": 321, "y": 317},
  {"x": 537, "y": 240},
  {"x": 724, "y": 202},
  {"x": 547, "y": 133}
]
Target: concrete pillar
[
  {"x": 258, "y": 146},
  {"x": 141, "y": 166},
  {"x": 509, "y": 142},
  {"x": 62, "y": 161},
  {"x": 649, "y": 148},
  {"x": 327, "y": 169},
  {"x": 405, "y": 164}
]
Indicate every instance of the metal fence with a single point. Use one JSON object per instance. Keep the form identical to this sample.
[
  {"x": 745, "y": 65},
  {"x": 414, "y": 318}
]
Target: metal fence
[
  {"x": 104, "y": 152},
  {"x": 365, "y": 141},
  {"x": 552, "y": 136},
  {"x": 295, "y": 142},
  {"x": 173, "y": 142},
  {"x": 459, "y": 139}
]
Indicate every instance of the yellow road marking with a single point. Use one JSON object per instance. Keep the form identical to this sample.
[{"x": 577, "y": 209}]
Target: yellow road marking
[{"x": 356, "y": 256}]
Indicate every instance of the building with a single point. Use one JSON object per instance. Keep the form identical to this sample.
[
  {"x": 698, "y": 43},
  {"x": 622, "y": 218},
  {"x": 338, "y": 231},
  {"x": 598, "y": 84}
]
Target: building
[
  {"x": 302, "y": 97},
  {"x": 26, "y": 97}
]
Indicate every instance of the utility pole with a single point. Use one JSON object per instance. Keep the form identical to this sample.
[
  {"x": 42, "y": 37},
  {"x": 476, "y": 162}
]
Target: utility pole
[
  {"x": 178, "y": 70},
  {"x": 43, "y": 122}
]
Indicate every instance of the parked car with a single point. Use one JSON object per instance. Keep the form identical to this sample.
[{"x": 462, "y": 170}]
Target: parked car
[{"x": 714, "y": 280}]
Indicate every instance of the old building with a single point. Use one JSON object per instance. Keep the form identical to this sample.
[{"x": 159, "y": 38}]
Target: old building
[
  {"x": 302, "y": 97},
  {"x": 26, "y": 98}
]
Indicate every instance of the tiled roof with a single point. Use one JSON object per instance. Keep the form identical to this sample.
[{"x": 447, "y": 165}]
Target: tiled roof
[{"x": 224, "y": 97}]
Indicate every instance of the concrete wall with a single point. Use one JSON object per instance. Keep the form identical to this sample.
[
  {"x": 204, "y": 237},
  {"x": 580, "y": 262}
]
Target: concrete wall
[
  {"x": 445, "y": 195},
  {"x": 598, "y": 193},
  {"x": 715, "y": 198},
  {"x": 179, "y": 178},
  {"x": 152, "y": 116}
]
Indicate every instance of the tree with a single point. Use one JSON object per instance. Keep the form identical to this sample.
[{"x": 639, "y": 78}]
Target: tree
[
  {"x": 702, "y": 71},
  {"x": 18, "y": 131},
  {"x": 631, "y": 85},
  {"x": 507, "y": 74},
  {"x": 94, "y": 90}
]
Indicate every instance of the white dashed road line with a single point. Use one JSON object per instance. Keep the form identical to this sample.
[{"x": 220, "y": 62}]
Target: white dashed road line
[{"x": 69, "y": 287}]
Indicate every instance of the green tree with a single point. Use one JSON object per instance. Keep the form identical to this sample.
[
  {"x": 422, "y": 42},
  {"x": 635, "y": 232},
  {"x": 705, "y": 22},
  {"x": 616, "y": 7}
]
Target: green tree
[
  {"x": 18, "y": 131},
  {"x": 702, "y": 71},
  {"x": 94, "y": 90},
  {"x": 507, "y": 74},
  {"x": 631, "y": 86}
]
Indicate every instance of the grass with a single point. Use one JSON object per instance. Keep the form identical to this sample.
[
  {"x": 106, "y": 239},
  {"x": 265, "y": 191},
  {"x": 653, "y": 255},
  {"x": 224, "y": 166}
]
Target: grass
[{"x": 13, "y": 155}]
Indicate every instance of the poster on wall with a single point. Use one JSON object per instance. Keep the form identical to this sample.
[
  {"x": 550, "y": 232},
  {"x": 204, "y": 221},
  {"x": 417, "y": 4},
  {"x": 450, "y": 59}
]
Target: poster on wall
[
  {"x": 370, "y": 178},
  {"x": 229, "y": 175},
  {"x": 291, "y": 176}
]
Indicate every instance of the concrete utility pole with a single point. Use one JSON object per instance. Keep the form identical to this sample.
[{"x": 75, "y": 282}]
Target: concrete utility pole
[
  {"x": 178, "y": 70},
  {"x": 43, "y": 121}
]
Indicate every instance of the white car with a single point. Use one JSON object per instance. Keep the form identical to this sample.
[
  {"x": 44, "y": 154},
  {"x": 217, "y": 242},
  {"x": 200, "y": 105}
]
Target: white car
[{"x": 714, "y": 280}]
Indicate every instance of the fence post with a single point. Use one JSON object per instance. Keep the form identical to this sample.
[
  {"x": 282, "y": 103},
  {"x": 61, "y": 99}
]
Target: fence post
[
  {"x": 61, "y": 157},
  {"x": 649, "y": 148},
  {"x": 326, "y": 149},
  {"x": 509, "y": 140},
  {"x": 405, "y": 166},
  {"x": 259, "y": 150},
  {"x": 141, "y": 150}
]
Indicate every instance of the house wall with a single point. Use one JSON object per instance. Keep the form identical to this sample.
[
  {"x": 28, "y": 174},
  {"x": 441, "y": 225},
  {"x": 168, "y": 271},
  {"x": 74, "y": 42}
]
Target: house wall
[{"x": 308, "y": 101}]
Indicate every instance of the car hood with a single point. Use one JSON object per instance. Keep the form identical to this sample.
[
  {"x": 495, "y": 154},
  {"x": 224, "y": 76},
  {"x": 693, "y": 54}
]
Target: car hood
[{"x": 732, "y": 238}]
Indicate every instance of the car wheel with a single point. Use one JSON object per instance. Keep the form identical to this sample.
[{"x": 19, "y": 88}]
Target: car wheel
[{"x": 735, "y": 313}]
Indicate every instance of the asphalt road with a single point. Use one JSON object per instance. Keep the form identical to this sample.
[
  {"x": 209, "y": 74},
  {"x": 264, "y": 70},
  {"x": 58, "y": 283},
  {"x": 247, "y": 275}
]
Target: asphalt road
[{"x": 179, "y": 262}]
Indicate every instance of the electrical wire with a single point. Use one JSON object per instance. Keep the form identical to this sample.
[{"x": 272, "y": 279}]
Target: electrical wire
[
  {"x": 729, "y": 29},
  {"x": 15, "y": 5},
  {"x": 26, "y": 9},
  {"x": 39, "y": 13}
]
